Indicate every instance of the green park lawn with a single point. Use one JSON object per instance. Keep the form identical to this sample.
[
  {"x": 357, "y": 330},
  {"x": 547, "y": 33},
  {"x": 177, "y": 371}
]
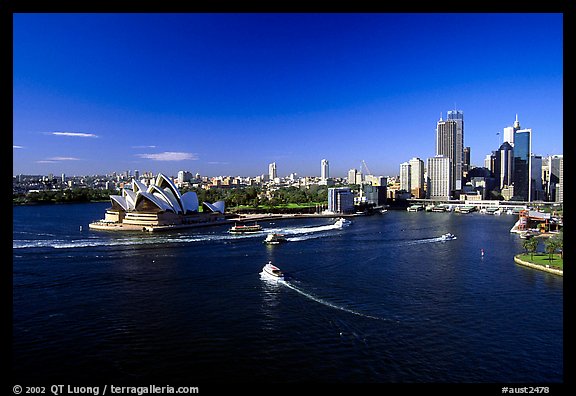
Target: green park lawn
[{"x": 543, "y": 259}]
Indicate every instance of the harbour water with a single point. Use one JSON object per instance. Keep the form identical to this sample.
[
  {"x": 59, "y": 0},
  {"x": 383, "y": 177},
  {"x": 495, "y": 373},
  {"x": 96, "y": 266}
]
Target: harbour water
[{"x": 383, "y": 300}]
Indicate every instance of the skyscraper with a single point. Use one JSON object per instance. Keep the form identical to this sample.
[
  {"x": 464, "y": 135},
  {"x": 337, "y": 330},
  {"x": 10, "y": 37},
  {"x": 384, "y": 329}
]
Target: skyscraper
[
  {"x": 439, "y": 177},
  {"x": 560, "y": 188},
  {"x": 405, "y": 176},
  {"x": 324, "y": 170},
  {"x": 352, "y": 176},
  {"x": 417, "y": 177},
  {"x": 450, "y": 143},
  {"x": 522, "y": 165},
  {"x": 503, "y": 165},
  {"x": 466, "y": 160},
  {"x": 272, "y": 171}
]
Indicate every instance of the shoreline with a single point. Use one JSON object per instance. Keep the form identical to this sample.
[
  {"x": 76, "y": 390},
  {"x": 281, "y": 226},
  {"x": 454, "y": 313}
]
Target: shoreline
[
  {"x": 538, "y": 266},
  {"x": 104, "y": 226}
]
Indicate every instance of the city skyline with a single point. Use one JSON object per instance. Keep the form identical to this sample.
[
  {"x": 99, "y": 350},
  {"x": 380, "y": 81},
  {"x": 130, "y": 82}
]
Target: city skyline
[{"x": 228, "y": 94}]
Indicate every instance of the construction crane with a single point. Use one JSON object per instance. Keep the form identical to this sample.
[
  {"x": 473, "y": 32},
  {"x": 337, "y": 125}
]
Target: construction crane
[{"x": 365, "y": 167}]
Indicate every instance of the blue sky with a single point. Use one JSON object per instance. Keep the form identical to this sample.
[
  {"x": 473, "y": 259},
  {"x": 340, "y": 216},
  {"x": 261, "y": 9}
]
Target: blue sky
[{"x": 226, "y": 94}]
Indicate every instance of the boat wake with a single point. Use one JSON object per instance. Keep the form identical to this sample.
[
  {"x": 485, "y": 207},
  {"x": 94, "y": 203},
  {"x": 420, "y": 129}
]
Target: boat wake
[
  {"x": 292, "y": 234},
  {"x": 326, "y": 303}
]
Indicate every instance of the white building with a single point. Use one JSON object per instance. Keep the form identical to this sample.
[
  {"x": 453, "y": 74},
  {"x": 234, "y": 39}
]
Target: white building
[
  {"x": 324, "y": 170},
  {"x": 405, "y": 176},
  {"x": 439, "y": 177},
  {"x": 272, "y": 171}
]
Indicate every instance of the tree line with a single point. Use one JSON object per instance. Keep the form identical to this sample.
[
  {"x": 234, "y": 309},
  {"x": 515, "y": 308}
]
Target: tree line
[
  {"x": 233, "y": 197},
  {"x": 62, "y": 196}
]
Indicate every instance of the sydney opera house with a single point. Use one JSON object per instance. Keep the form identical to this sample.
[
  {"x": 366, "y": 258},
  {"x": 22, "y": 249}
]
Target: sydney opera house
[{"x": 158, "y": 204}]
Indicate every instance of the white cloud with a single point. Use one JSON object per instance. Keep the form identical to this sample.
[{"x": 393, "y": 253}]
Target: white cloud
[
  {"x": 17, "y": 147},
  {"x": 63, "y": 159},
  {"x": 142, "y": 147},
  {"x": 54, "y": 160},
  {"x": 169, "y": 156},
  {"x": 217, "y": 163},
  {"x": 73, "y": 134}
]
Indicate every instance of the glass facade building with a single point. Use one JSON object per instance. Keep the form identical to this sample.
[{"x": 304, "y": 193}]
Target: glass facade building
[{"x": 522, "y": 164}]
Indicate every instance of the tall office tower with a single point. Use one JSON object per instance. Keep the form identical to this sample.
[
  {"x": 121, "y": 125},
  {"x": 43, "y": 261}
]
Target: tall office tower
[
  {"x": 450, "y": 143},
  {"x": 63, "y": 179},
  {"x": 458, "y": 161},
  {"x": 559, "y": 186},
  {"x": 352, "y": 176},
  {"x": 417, "y": 177},
  {"x": 503, "y": 165},
  {"x": 272, "y": 171},
  {"x": 405, "y": 176},
  {"x": 522, "y": 165},
  {"x": 553, "y": 176},
  {"x": 439, "y": 177},
  {"x": 537, "y": 192},
  {"x": 466, "y": 160},
  {"x": 136, "y": 174},
  {"x": 324, "y": 170}
]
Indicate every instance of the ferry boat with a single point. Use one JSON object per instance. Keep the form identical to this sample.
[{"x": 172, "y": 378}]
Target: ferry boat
[
  {"x": 273, "y": 271},
  {"x": 245, "y": 229},
  {"x": 274, "y": 239}
]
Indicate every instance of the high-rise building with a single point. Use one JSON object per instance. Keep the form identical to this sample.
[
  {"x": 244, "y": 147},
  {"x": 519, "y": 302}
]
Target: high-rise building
[
  {"x": 405, "y": 176},
  {"x": 553, "y": 177},
  {"x": 503, "y": 165},
  {"x": 458, "y": 161},
  {"x": 466, "y": 160},
  {"x": 560, "y": 185},
  {"x": 537, "y": 189},
  {"x": 522, "y": 165},
  {"x": 450, "y": 143},
  {"x": 439, "y": 177},
  {"x": 324, "y": 170},
  {"x": 417, "y": 177},
  {"x": 272, "y": 171},
  {"x": 352, "y": 176},
  {"x": 488, "y": 162}
]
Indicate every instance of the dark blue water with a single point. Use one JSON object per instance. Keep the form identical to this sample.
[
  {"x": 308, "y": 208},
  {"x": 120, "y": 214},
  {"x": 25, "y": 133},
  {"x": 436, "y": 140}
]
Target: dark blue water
[{"x": 383, "y": 300}]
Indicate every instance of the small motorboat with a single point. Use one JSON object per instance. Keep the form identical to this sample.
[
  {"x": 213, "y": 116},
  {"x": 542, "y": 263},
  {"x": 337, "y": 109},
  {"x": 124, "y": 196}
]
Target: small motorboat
[
  {"x": 448, "y": 236},
  {"x": 273, "y": 271},
  {"x": 274, "y": 239},
  {"x": 341, "y": 222}
]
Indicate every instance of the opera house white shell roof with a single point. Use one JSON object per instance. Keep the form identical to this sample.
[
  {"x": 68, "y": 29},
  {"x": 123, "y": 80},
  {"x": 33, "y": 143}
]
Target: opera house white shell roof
[{"x": 162, "y": 196}]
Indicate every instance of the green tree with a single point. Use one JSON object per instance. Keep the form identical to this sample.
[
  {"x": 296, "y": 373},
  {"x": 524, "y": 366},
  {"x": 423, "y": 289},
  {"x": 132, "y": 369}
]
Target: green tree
[
  {"x": 530, "y": 245},
  {"x": 550, "y": 247}
]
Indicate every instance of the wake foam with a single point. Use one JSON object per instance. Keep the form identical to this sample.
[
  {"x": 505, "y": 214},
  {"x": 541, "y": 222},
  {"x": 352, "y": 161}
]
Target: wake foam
[{"x": 327, "y": 303}]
